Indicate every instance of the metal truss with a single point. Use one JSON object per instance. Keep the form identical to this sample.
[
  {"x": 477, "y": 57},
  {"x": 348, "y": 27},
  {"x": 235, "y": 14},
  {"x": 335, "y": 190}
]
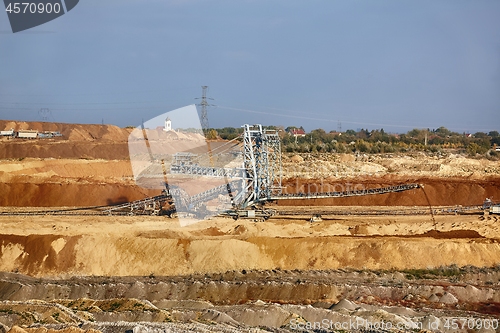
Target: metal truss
[
  {"x": 260, "y": 174},
  {"x": 262, "y": 164},
  {"x": 148, "y": 206}
]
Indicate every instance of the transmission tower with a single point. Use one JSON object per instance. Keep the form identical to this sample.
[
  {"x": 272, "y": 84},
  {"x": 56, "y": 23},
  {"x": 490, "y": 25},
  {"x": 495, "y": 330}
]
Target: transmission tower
[
  {"x": 45, "y": 114},
  {"x": 204, "y": 104}
]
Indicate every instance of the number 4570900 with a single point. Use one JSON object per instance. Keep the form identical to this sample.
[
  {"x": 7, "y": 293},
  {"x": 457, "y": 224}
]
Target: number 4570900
[{"x": 33, "y": 8}]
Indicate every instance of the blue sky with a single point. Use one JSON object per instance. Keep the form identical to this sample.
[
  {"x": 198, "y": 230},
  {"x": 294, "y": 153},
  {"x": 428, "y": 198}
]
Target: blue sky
[{"x": 395, "y": 65}]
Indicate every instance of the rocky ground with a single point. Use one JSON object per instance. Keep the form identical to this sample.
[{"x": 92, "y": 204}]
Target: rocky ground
[
  {"x": 376, "y": 263},
  {"x": 417, "y": 164},
  {"x": 260, "y": 301},
  {"x": 115, "y": 274}
]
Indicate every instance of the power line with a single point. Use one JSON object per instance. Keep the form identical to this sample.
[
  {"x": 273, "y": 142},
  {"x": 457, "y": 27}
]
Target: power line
[
  {"x": 97, "y": 109},
  {"x": 204, "y": 114},
  {"x": 45, "y": 114},
  {"x": 204, "y": 104},
  {"x": 332, "y": 120},
  {"x": 86, "y": 103},
  {"x": 101, "y": 93}
]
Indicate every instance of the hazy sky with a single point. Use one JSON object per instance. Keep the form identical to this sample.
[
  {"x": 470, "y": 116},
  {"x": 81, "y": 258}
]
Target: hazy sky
[{"x": 395, "y": 65}]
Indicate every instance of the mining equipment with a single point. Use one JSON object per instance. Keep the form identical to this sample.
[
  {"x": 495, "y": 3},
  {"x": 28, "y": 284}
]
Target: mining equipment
[
  {"x": 491, "y": 207},
  {"x": 257, "y": 181},
  {"x": 247, "y": 187}
]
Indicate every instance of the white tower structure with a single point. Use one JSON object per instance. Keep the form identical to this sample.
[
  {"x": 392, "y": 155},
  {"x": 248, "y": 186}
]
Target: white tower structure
[{"x": 168, "y": 125}]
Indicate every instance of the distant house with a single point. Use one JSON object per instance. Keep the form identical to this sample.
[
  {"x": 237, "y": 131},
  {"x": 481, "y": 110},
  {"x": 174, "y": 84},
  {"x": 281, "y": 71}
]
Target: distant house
[
  {"x": 168, "y": 125},
  {"x": 297, "y": 132},
  {"x": 394, "y": 135}
]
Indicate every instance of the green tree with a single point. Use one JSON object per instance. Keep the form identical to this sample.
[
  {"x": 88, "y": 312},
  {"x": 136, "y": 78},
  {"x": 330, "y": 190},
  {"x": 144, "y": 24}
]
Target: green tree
[
  {"x": 212, "y": 134},
  {"x": 442, "y": 131},
  {"x": 473, "y": 149},
  {"x": 362, "y": 146},
  {"x": 480, "y": 135},
  {"x": 494, "y": 134}
]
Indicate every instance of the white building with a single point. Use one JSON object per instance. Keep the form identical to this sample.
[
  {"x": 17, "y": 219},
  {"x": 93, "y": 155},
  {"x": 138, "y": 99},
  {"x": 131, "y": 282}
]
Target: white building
[{"x": 168, "y": 125}]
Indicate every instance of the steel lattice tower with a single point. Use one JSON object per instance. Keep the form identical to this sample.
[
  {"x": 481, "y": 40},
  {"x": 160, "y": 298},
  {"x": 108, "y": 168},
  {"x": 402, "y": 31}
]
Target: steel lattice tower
[
  {"x": 262, "y": 163},
  {"x": 204, "y": 104},
  {"x": 45, "y": 114}
]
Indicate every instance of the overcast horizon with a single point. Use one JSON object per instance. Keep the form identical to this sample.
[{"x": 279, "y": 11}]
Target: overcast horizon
[{"x": 317, "y": 64}]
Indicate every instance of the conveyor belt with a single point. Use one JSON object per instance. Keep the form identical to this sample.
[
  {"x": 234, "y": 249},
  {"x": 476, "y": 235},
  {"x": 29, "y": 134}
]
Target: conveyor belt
[{"x": 381, "y": 190}]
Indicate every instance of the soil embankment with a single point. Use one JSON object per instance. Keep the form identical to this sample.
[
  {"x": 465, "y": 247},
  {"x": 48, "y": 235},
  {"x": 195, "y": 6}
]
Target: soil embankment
[
  {"x": 78, "y": 141},
  {"x": 435, "y": 191},
  {"x": 121, "y": 246}
]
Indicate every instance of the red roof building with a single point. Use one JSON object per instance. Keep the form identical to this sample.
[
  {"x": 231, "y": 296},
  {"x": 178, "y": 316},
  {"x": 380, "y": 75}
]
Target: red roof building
[{"x": 297, "y": 132}]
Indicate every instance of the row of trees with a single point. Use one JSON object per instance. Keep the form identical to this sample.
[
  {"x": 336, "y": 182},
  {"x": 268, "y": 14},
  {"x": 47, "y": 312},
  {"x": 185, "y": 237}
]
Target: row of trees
[{"x": 377, "y": 141}]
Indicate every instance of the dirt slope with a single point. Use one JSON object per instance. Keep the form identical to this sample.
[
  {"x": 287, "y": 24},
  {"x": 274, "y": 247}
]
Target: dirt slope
[
  {"x": 89, "y": 182},
  {"x": 72, "y": 132},
  {"x": 435, "y": 192},
  {"x": 77, "y": 141},
  {"x": 66, "y": 245}
]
